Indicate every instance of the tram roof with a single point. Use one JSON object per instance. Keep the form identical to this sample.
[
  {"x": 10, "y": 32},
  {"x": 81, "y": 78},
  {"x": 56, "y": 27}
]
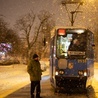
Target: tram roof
[
  {"x": 69, "y": 27},
  {"x": 65, "y": 27}
]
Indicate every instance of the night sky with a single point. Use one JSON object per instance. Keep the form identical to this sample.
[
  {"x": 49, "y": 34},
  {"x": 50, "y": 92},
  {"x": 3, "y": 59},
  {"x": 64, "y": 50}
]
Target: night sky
[{"x": 13, "y": 9}]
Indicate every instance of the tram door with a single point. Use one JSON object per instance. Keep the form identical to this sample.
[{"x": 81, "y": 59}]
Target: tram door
[{"x": 51, "y": 57}]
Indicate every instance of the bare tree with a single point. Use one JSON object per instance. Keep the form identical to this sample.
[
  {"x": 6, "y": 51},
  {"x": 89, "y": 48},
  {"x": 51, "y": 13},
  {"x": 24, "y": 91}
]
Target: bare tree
[
  {"x": 3, "y": 29},
  {"x": 9, "y": 36},
  {"x": 30, "y": 30},
  {"x": 42, "y": 44}
]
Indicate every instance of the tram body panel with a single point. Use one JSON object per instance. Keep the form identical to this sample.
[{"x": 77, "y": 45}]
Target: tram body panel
[{"x": 71, "y": 66}]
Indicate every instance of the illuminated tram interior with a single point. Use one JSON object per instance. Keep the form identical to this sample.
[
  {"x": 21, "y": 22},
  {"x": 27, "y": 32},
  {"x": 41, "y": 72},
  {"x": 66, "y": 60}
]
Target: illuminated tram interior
[{"x": 75, "y": 42}]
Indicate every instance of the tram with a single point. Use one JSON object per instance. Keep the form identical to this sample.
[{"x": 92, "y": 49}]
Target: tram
[{"x": 71, "y": 58}]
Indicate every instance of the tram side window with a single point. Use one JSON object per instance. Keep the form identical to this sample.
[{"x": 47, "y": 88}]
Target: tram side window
[{"x": 90, "y": 48}]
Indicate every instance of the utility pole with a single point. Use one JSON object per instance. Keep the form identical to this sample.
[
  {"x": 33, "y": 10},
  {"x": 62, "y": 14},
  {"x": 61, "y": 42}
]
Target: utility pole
[{"x": 73, "y": 15}]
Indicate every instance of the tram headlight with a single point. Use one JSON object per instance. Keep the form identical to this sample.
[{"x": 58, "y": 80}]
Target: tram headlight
[
  {"x": 85, "y": 73},
  {"x": 61, "y": 72},
  {"x": 82, "y": 73},
  {"x": 56, "y": 73}
]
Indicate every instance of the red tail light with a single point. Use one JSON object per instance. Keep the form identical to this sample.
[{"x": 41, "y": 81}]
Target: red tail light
[{"x": 61, "y": 31}]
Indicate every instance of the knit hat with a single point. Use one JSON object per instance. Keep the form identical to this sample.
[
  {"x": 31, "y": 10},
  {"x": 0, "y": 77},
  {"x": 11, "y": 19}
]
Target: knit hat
[{"x": 35, "y": 56}]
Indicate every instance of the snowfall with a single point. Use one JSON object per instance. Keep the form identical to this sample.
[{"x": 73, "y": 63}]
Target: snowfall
[{"x": 14, "y": 77}]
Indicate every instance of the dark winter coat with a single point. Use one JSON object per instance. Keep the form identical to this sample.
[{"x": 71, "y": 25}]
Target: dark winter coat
[{"x": 34, "y": 70}]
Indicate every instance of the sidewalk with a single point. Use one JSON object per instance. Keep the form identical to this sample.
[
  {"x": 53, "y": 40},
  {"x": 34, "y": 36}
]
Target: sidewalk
[
  {"x": 18, "y": 86},
  {"x": 24, "y": 92}
]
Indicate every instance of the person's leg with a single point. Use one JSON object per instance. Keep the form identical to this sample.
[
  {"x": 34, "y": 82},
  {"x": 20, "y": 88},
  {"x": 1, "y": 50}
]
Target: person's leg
[
  {"x": 33, "y": 84},
  {"x": 38, "y": 90}
]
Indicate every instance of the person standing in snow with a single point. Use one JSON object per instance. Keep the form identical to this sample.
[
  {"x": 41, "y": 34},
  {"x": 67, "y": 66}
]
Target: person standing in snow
[{"x": 35, "y": 72}]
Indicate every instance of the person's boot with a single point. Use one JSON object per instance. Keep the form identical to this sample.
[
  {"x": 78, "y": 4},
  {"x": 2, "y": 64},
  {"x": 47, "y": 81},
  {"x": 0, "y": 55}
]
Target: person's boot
[
  {"x": 32, "y": 96},
  {"x": 38, "y": 95}
]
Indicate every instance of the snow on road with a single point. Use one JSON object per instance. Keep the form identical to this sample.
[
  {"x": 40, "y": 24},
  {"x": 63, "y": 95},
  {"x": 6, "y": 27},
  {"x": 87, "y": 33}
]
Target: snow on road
[
  {"x": 13, "y": 77},
  {"x": 96, "y": 71}
]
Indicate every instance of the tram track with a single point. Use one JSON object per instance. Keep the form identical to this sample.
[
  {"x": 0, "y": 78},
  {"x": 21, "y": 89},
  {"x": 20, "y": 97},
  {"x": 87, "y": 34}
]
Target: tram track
[{"x": 89, "y": 93}]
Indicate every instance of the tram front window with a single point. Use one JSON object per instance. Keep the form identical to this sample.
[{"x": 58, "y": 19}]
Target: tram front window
[{"x": 71, "y": 44}]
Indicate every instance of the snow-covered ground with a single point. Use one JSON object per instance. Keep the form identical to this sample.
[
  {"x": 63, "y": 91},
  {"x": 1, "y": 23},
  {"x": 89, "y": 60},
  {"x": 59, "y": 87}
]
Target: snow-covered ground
[
  {"x": 13, "y": 77},
  {"x": 96, "y": 71}
]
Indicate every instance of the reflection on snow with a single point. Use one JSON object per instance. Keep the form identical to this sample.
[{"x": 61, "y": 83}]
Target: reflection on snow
[{"x": 45, "y": 77}]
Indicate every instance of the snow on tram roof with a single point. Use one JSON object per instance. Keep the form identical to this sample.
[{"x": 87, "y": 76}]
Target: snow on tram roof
[
  {"x": 69, "y": 27},
  {"x": 64, "y": 27}
]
